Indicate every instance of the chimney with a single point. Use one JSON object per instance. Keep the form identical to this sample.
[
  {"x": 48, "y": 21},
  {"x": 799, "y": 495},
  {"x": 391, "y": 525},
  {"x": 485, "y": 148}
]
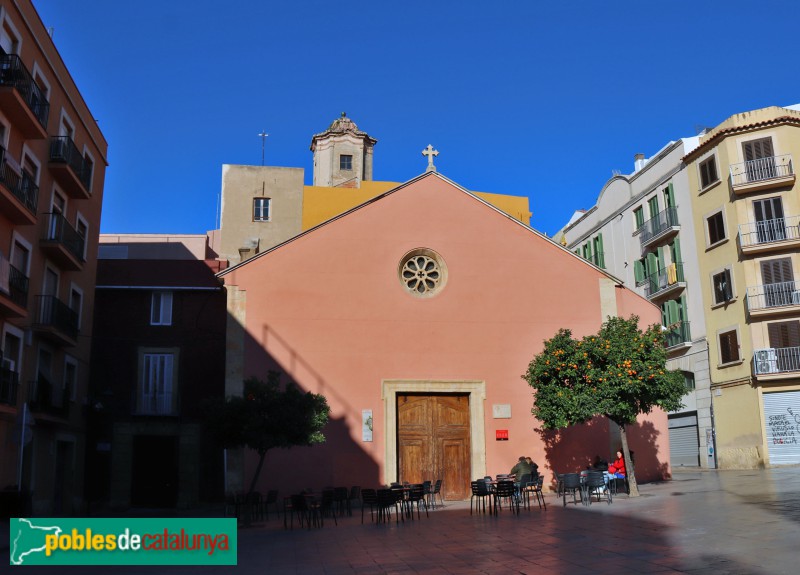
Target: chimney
[{"x": 638, "y": 162}]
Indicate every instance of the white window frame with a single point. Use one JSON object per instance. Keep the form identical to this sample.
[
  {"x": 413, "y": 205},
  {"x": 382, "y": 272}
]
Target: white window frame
[
  {"x": 18, "y": 239},
  {"x": 269, "y": 210},
  {"x": 6, "y": 131},
  {"x": 701, "y": 160},
  {"x": 55, "y": 270},
  {"x": 725, "y": 330},
  {"x": 90, "y": 155},
  {"x": 75, "y": 288},
  {"x": 164, "y": 312},
  {"x": 64, "y": 118},
  {"x": 45, "y": 83},
  {"x": 26, "y": 151},
  {"x": 69, "y": 360},
  {"x": 6, "y": 19},
  {"x": 144, "y": 391},
  {"x": 714, "y": 303},
  {"x": 19, "y": 334},
  {"x": 79, "y": 219}
]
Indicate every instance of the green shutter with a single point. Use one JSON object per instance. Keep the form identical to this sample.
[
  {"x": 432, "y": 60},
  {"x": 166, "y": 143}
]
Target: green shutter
[
  {"x": 651, "y": 264},
  {"x": 673, "y": 312},
  {"x": 661, "y": 265},
  {"x": 669, "y": 196},
  {"x": 599, "y": 255},
  {"x": 638, "y": 271},
  {"x": 653, "y": 204},
  {"x": 675, "y": 251}
]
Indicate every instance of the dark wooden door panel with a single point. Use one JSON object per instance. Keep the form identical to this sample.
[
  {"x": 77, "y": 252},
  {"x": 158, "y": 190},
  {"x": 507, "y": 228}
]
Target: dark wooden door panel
[{"x": 434, "y": 441}]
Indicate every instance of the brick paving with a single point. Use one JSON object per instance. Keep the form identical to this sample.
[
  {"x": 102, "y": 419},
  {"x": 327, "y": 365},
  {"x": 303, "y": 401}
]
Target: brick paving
[{"x": 736, "y": 522}]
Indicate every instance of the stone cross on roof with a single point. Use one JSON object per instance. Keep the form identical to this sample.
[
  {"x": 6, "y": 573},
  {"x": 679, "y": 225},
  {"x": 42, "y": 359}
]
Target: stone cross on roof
[{"x": 430, "y": 152}]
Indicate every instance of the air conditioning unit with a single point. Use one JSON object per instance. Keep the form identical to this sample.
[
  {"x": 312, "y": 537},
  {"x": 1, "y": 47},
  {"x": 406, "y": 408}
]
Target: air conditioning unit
[{"x": 766, "y": 361}]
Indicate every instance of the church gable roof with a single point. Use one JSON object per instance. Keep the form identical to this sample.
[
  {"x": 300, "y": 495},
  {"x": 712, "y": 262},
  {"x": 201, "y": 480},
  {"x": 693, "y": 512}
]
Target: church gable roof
[{"x": 437, "y": 179}]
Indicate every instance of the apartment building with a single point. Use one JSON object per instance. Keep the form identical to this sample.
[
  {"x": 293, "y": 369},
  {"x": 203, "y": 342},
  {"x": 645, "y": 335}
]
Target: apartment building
[
  {"x": 52, "y": 168},
  {"x": 640, "y": 230},
  {"x": 158, "y": 358},
  {"x": 746, "y": 200}
]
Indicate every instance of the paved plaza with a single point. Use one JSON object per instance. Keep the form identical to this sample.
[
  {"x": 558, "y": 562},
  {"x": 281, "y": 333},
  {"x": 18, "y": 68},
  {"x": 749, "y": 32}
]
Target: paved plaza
[{"x": 700, "y": 522}]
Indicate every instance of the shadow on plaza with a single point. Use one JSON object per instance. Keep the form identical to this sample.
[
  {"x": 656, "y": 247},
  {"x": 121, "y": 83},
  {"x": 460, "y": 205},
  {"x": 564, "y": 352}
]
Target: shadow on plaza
[
  {"x": 573, "y": 449},
  {"x": 560, "y": 541}
]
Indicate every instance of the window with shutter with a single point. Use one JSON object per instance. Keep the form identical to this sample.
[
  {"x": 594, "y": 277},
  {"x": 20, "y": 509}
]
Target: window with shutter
[
  {"x": 728, "y": 346},
  {"x": 784, "y": 334},
  {"x": 639, "y": 271},
  {"x": 669, "y": 197},
  {"x": 759, "y": 159},
  {"x": 708, "y": 172},
  {"x": 723, "y": 290},
  {"x": 652, "y": 205},
  {"x": 778, "y": 280},
  {"x": 770, "y": 225},
  {"x": 716, "y": 228},
  {"x": 638, "y": 217}
]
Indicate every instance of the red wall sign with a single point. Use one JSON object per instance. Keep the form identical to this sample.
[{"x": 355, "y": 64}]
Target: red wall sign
[{"x": 501, "y": 434}]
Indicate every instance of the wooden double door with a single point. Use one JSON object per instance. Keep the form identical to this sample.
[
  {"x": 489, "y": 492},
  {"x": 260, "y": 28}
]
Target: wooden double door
[{"x": 433, "y": 435}]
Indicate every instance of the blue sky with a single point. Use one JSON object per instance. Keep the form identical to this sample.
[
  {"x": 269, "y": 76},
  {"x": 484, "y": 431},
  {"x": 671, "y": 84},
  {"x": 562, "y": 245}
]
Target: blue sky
[{"x": 542, "y": 99}]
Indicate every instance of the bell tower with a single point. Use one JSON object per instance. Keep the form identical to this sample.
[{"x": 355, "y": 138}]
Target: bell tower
[{"x": 342, "y": 155}]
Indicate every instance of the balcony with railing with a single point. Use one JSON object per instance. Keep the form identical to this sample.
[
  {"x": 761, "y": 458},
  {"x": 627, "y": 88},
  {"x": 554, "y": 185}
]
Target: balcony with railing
[
  {"x": 762, "y": 173},
  {"x": 776, "y": 362},
  {"x": 21, "y": 98},
  {"x": 163, "y": 402},
  {"x": 9, "y": 384},
  {"x": 69, "y": 168},
  {"x": 18, "y": 191},
  {"x": 55, "y": 320},
  {"x": 13, "y": 290},
  {"x": 769, "y": 235},
  {"x": 678, "y": 337},
  {"x": 659, "y": 228},
  {"x": 62, "y": 242},
  {"x": 48, "y": 398},
  {"x": 773, "y": 299},
  {"x": 665, "y": 283}
]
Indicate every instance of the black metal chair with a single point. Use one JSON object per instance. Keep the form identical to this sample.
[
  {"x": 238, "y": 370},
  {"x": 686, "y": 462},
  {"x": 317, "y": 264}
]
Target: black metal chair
[
  {"x": 386, "y": 501},
  {"x": 271, "y": 499},
  {"x": 437, "y": 490},
  {"x": 369, "y": 497},
  {"x": 327, "y": 507},
  {"x": 416, "y": 496},
  {"x": 538, "y": 490},
  {"x": 341, "y": 499},
  {"x": 521, "y": 485},
  {"x": 355, "y": 495},
  {"x": 480, "y": 493},
  {"x": 504, "y": 490},
  {"x": 572, "y": 483},
  {"x": 595, "y": 485}
]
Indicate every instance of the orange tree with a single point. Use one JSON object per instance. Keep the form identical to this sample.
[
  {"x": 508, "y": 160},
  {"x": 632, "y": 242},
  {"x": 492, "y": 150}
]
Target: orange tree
[
  {"x": 268, "y": 416},
  {"x": 619, "y": 372}
]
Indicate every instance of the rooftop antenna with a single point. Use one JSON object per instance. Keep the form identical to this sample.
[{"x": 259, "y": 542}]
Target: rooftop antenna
[{"x": 264, "y": 136}]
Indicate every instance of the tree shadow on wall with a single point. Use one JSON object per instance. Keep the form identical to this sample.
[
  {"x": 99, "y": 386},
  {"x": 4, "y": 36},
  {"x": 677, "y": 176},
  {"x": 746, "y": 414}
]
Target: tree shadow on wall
[{"x": 574, "y": 448}]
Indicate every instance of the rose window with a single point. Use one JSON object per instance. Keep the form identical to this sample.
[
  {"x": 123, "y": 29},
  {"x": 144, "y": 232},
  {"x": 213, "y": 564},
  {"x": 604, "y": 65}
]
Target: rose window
[{"x": 422, "y": 273}]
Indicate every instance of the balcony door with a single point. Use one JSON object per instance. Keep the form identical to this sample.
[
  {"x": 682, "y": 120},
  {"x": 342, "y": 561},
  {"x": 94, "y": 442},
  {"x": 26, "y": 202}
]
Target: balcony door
[
  {"x": 760, "y": 159},
  {"x": 770, "y": 225},
  {"x": 784, "y": 336},
  {"x": 778, "y": 279}
]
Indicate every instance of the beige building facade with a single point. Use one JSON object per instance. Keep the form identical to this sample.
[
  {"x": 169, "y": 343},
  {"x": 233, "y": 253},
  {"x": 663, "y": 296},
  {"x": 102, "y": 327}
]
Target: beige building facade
[{"x": 746, "y": 200}]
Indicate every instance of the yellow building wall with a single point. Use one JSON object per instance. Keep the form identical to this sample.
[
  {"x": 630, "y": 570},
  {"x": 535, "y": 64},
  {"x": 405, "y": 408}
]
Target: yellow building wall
[
  {"x": 737, "y": 419},
  {"x": 323, "y": 203}
]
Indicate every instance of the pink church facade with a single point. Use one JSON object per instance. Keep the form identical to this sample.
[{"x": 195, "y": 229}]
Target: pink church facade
[{"x": 416, "y": 314}]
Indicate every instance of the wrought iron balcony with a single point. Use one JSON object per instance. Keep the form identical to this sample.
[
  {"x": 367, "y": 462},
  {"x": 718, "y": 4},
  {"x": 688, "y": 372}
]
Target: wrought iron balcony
[
  {"x": 769, "y": 297},
  {"x": 48, "y": 398},
  {"x": 762, "y": 173},
  {"x": 69, "y": 166},
  {"x": 9, "y": 384},
  {"x": 776, "y": 360},
  {"x": 63, "y": 242},
  {"x": 13, "y": 289},
  {"x": 56, "y": 319},
  {"x": 156, "y": 403},
  {"x": 663, "y": 225},
  {"x": 18, "y": 193},
  {"x": 768, "y": 235},
  {"x": 665, "y": 282},
  {"x": 19, "y": 87},
  {"x": 678, "y": 335}
]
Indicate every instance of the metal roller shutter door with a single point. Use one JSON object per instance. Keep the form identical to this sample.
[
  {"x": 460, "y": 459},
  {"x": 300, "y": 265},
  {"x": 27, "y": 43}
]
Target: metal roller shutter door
[
  {"x": 782, "y": 418},
  {"x": 684, "y": 449}
]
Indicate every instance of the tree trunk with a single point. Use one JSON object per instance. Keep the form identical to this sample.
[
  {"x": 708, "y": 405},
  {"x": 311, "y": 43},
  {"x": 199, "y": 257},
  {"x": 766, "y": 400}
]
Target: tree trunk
[
  {"x": 248, "y": 500},
  {"x": 626, "y": 453}
]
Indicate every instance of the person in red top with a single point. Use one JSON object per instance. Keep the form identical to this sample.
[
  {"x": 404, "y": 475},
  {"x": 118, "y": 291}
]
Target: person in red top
[{"x": 617, "y": 469}]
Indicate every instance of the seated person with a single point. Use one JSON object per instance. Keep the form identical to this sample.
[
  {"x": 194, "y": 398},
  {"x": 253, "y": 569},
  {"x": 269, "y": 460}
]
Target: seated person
[
  {"x": 617, "y": 469},
  {"x": 521, "y": 468},
  {"x": 599, "y": 464}
]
